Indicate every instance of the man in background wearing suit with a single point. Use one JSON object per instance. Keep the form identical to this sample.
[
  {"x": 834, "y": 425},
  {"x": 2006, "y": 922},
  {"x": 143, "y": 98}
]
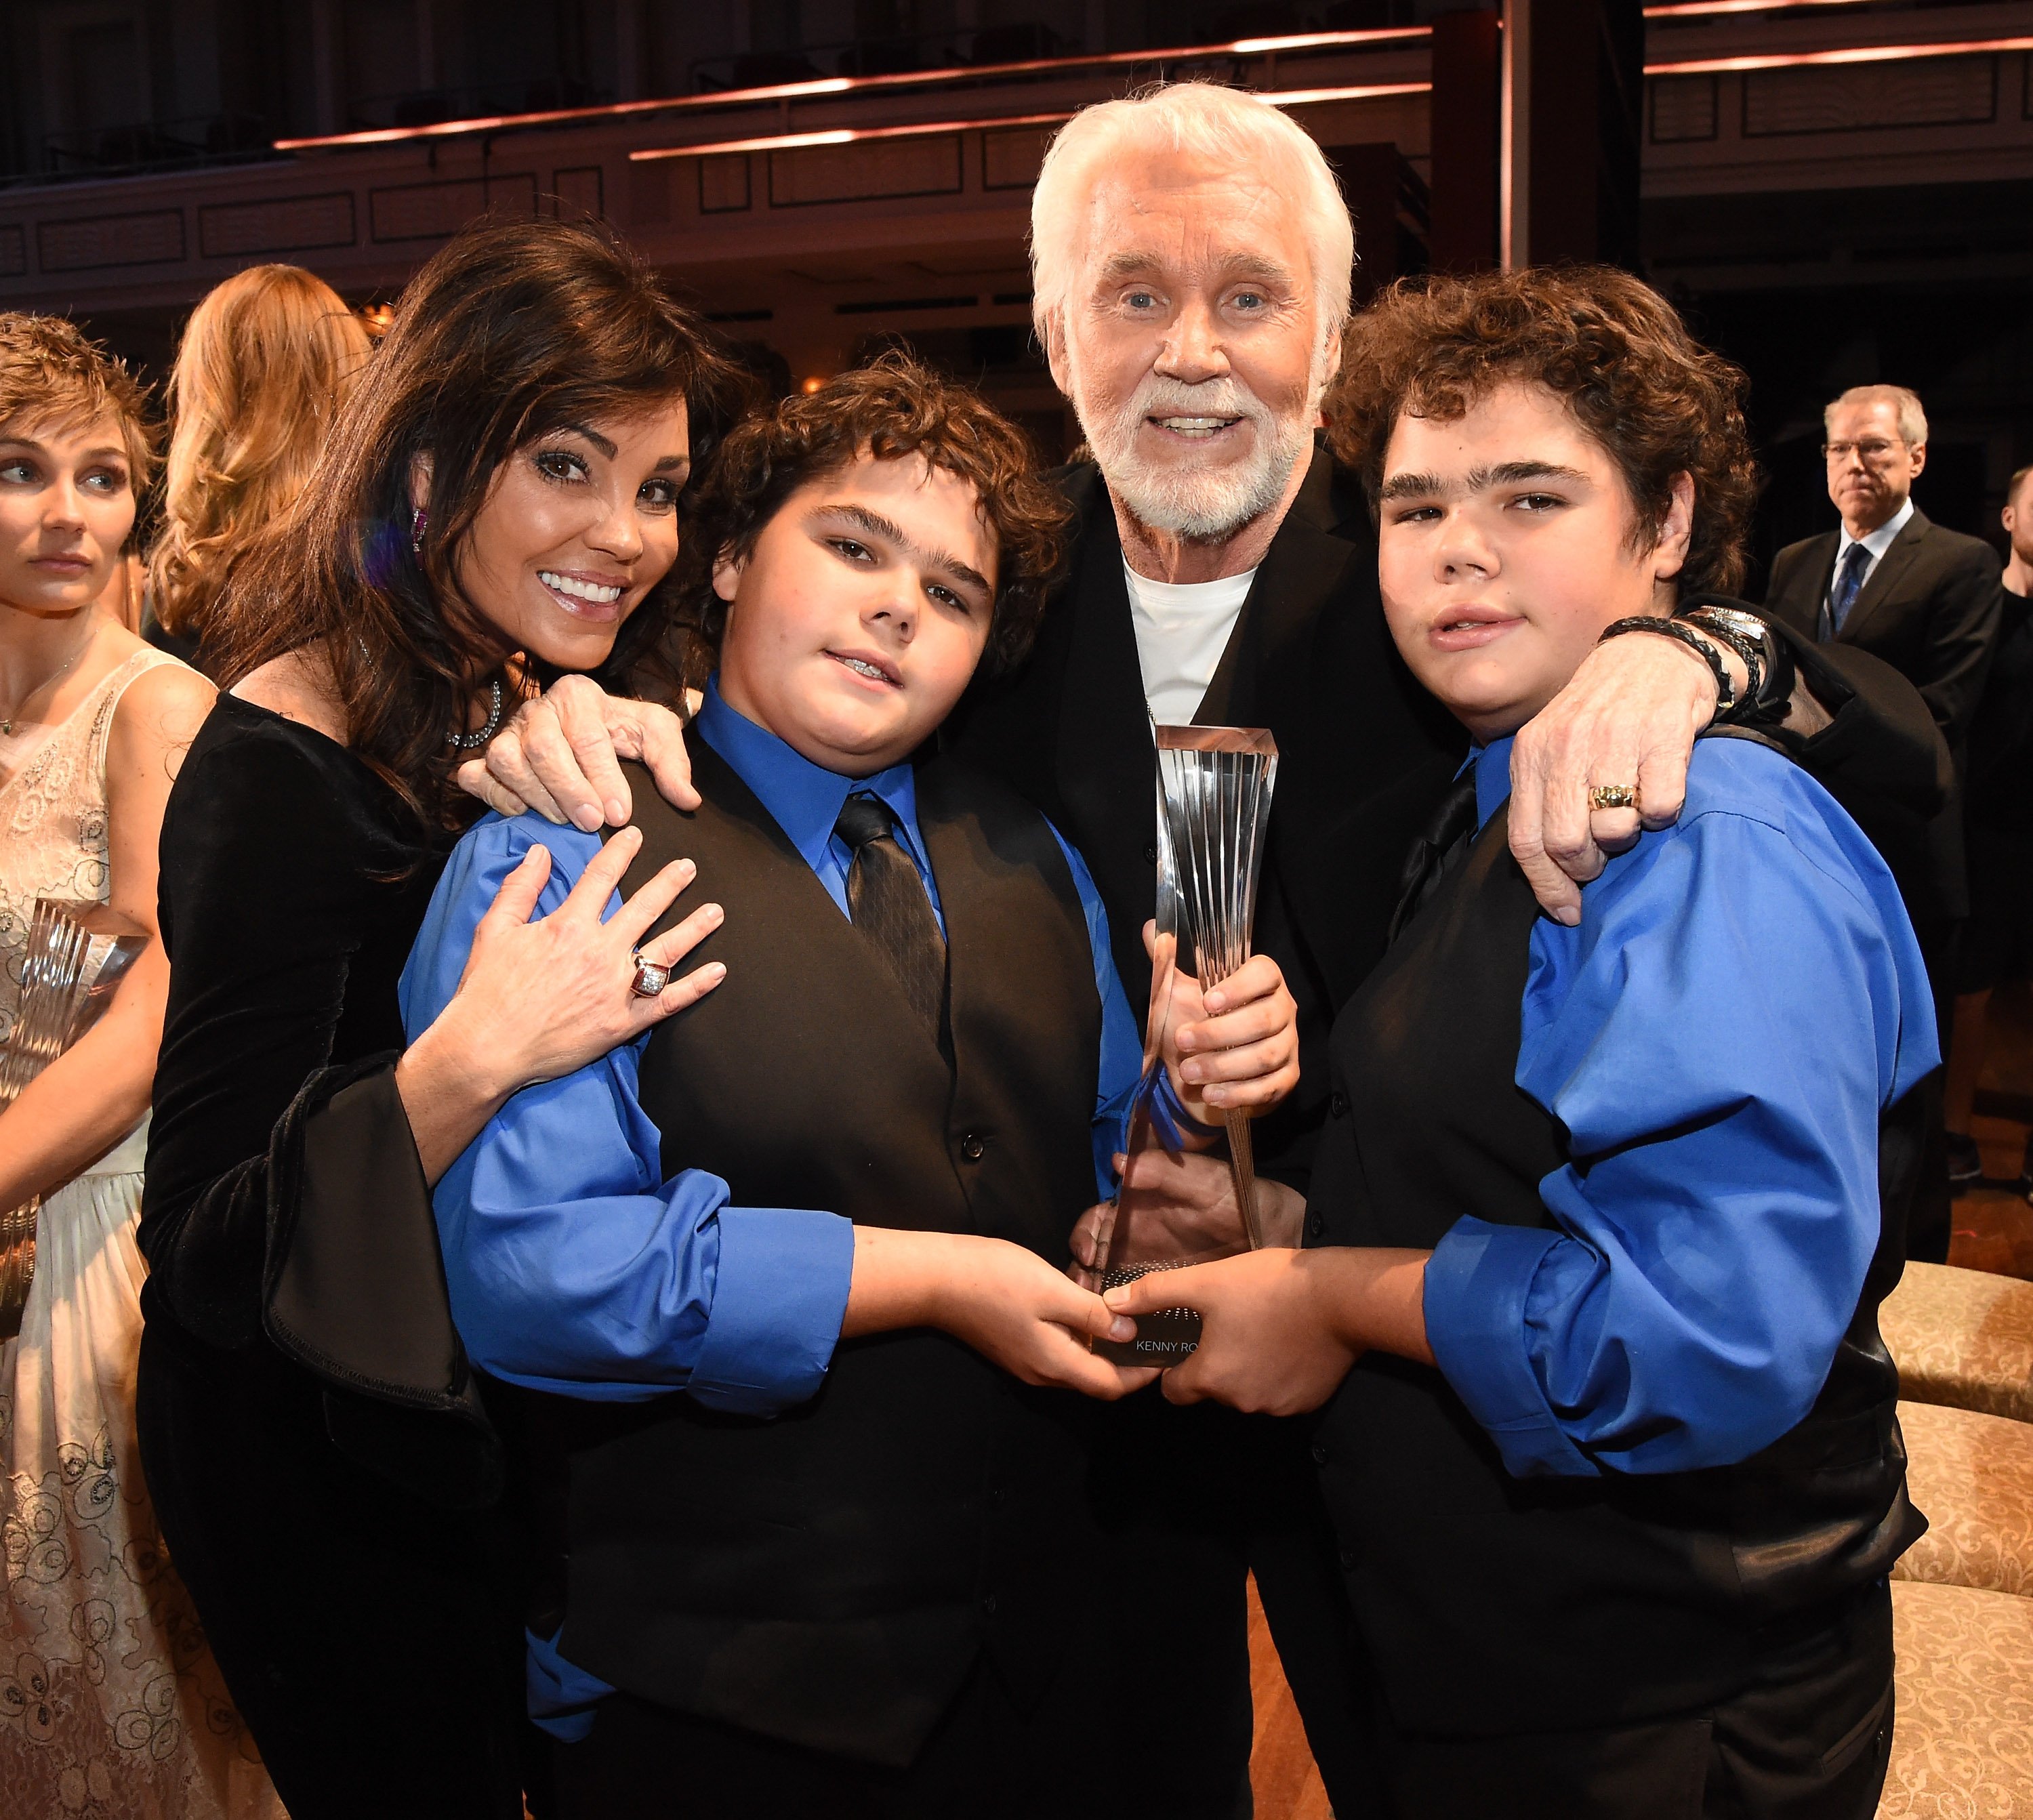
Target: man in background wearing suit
[{"x": 1927, "y": 600}]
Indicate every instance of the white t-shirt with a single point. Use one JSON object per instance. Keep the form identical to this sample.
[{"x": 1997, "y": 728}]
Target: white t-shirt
[{"x": 1182, "y": 628}]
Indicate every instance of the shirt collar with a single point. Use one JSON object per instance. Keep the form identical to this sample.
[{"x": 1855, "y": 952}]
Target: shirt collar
[
  {"x": 1492, "y": 776},
  {"x": 804, "y": 799},
  {"x": 1879, "y": 541}
]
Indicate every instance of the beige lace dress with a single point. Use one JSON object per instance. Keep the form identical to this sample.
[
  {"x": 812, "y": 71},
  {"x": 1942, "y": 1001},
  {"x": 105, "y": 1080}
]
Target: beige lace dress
[{"x": 110, "y": 1703}]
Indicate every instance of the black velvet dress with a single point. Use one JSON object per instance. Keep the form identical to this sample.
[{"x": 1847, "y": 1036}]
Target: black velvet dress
[{"x": 321, "y": 1463}]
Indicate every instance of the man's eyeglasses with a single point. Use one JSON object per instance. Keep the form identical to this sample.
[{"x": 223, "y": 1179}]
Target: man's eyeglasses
[{"x": 1873, "y": 449}]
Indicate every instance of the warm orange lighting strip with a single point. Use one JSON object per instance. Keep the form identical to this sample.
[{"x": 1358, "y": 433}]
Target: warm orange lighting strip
[
  {"x": 1855, "y": 53},
  {"x": 861, "y": 85},
  {"x": 841, "y": 136},
  {"x": 1295, "y": 41},
  {"x": 926, "y": 130},
  {"x": 1710, "y": 9},
  {"x": 1364, "y": 92}
]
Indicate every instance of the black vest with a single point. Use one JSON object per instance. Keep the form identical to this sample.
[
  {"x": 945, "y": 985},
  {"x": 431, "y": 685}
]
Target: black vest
[
  {"x": 829, "y": 1577},
  {"x": 1494, "y": 1605}
]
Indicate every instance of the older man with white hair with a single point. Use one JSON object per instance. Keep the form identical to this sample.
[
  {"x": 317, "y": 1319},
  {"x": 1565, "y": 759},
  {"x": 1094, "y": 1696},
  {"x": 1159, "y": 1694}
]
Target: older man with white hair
[{"x": 1192, "y": 258}]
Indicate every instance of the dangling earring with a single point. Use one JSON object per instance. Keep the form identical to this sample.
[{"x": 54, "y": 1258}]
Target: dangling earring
[{"x": 418, "y": 520}]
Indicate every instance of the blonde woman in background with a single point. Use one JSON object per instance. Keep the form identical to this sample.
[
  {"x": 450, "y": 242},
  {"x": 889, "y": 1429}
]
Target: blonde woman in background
[
  {"x": 110, "y": 1701},
  {"x": 266, "y": 361}
]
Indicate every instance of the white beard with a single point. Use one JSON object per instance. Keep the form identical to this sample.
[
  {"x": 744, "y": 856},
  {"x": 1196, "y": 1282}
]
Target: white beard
[{"x": 1204, "y": 505}]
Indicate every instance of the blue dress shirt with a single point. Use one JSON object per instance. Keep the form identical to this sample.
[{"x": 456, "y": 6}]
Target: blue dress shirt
[
  {"x": 574, "y": 1265},
  {"x": 1742, "y": 997}
]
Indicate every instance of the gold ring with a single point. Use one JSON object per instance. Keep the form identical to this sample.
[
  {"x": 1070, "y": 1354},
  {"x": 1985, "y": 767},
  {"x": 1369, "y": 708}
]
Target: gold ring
[{"x": 1613, "y": 796}]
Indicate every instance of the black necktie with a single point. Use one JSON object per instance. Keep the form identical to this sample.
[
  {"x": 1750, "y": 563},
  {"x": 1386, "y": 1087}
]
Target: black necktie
[
  {"x": 1434, "y": 851},
  {"x": 887, "y": 900}
]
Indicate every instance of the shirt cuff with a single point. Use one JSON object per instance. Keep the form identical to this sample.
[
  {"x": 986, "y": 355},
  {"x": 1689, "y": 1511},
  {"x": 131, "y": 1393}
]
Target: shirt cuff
[
  {"x": 1476, "y": 1282},
  {"x": 1168, "y": 1112},
  {"x": 561, "y": 1696},
  {"x": 779, "y": 1294}
]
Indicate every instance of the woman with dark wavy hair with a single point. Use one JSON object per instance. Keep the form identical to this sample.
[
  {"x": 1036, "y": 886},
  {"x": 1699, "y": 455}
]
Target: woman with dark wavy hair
[
  {"x": 500, "y": 493},
  {"x": 1603, "y": 1213}
]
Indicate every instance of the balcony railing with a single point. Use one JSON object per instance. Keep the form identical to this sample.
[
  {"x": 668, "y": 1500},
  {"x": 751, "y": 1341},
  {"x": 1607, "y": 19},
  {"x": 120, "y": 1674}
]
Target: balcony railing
[
  {"x": 891, "y": 56},
  {"x": 426, "y": 106},
  {"x": 996, "y": 45},
  {"x": 150, "y": 145}
]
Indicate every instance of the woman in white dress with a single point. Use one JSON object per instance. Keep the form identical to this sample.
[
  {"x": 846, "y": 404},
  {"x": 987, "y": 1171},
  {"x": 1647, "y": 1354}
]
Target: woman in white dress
[{"x": 110, "y": 1703}]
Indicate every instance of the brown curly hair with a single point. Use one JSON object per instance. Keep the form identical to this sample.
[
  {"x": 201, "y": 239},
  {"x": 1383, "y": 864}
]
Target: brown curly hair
[
  {"x": 51, "y": 372},
  {"x": 890, "y": 409},
  {"x": 1608, "y": 344}
]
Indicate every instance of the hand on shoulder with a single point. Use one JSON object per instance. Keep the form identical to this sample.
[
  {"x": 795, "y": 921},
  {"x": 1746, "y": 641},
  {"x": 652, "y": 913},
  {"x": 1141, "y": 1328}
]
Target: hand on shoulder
[
  {"x": 560, "y": 756},
  {"x": 542, "y": 996}
]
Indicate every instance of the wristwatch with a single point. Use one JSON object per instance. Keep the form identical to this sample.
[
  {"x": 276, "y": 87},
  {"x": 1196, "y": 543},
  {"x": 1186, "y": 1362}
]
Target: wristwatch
[{"x": 1767, "y": 697}]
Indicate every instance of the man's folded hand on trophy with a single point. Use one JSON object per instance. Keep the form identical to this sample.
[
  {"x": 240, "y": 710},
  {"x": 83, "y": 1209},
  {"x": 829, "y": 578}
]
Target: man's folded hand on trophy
[{"x": 1190, "y": 1203}]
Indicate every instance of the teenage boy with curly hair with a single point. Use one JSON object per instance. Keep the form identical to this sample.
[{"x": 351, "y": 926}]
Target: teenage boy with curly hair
[
  {"x": 1599, "y": 1229},
  {"x": 783, "y": 1287}
]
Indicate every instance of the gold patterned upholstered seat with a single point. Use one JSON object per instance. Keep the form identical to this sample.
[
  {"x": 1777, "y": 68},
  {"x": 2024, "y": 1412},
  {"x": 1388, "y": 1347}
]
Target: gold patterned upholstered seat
[
  {"x": 1962, "y": 1741},
  {"x": 1972, "y": 1475},
  {"x": 1962, "y": 1337}
]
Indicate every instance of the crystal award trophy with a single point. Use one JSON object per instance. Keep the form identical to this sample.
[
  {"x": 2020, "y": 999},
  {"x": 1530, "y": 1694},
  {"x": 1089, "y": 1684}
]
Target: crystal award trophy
[
  {"x": 77, "y": 955},
  {"x": 1214, "y": 803}
]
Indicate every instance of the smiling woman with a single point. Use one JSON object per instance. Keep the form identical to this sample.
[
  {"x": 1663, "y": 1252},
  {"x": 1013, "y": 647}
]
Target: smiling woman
[
  {"x": 501, "y": 490},
  {"x": 576, "y": 528},
  {"x": 502, "y": 486}
]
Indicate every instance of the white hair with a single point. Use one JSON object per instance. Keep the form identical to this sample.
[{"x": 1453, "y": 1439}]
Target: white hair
[
  {"x": 1229, "y": 124},
  {"x": 1913, "y": 420}
]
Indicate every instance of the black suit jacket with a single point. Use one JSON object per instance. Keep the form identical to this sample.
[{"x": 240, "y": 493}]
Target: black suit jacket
[
  {"x": 1365, "y": 753},
  {"x": 1931, "y": 610}
]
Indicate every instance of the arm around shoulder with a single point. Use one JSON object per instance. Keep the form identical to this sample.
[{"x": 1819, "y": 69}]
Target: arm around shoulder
[
  {"x": 1881, "y": 745},
  {"x": 1720, "y": 1211}
]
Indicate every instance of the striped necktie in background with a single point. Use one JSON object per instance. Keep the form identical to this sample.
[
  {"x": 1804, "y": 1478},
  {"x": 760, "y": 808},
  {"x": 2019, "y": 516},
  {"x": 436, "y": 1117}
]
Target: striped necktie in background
[{"x": 1849, "y": 584}]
